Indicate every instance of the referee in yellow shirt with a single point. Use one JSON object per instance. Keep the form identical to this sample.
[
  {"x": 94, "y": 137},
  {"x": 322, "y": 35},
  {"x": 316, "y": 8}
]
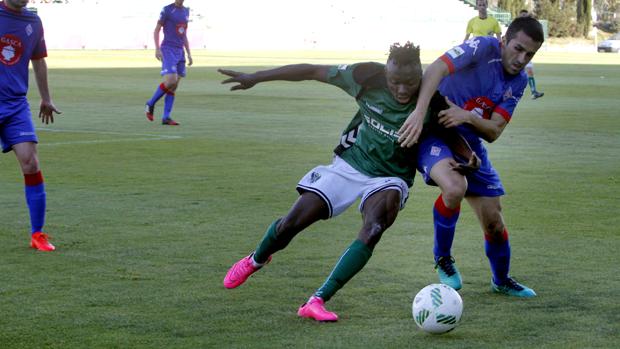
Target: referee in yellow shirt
[{"x": 483, "y": 25}]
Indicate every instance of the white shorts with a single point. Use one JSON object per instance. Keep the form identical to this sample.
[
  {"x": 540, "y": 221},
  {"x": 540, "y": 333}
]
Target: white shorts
[{"x": 340, "y": 185}]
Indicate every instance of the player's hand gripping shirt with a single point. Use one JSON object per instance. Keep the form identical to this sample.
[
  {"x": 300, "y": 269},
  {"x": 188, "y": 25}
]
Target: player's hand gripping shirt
[
  {"x": 21, "y": 39},
  {"x": 174, "y": 22},
  {"x": 477, "y": 82},
  {"x": 370, "y": 142}
]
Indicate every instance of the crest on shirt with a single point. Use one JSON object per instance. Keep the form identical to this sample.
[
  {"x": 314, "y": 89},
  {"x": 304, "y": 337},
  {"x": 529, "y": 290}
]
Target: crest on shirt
[
  {"x": 315, "y": 176},
  {"x": 508, "y": 94},
  {"x": 11, "y": 49},
  {"x": 29, "y": 29},
  {"x": 181, "y": 28}
]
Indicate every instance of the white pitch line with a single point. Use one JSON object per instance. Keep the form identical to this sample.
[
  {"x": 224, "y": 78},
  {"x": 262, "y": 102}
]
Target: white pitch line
[{"x": 145, "y": 137}]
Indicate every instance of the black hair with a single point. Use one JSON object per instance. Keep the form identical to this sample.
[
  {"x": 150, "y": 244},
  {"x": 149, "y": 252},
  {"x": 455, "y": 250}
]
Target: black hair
[
  {"x": 405, "y": 55},
  {"x": 528, "y": 25}
]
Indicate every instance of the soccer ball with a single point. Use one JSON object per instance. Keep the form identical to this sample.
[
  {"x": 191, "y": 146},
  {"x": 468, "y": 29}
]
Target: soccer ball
[{"x": 437, "y": 308}]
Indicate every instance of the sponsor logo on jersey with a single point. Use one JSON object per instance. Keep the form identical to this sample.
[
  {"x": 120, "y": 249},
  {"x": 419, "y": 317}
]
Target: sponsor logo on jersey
[
  {"x": 29, "y": 30},
  {"x": 379, "y": 127},
  {"x": 11, "y": 49},
  {"x": 374, "y": 108},
  {"x": 478, "y": 112},
  {"x": 455, "y": 52},
  {"x": 481, "y": 106},
  {"x": 435, "y": 151},
  {"x": 26, "y": 134}
]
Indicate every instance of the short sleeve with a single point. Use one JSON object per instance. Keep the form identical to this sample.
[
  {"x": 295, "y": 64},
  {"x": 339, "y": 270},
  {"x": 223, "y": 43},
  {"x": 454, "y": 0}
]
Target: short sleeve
[
  {"x": 40, "y": 49},
  {"x": 469, "y": 52},
  {"x": 470, "y": 28},
  {"x": 342, "y": 76},
  {"x": 497, "y": 28},
  {"x": 162, "y": 16}
]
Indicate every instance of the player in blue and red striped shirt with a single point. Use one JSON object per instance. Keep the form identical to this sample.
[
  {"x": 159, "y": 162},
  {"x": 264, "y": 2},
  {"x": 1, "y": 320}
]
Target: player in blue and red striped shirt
[
  {"x": 173, "y": 19},
  {"x": 22, "y": 41},
  {"x": 482, "y": 81}
]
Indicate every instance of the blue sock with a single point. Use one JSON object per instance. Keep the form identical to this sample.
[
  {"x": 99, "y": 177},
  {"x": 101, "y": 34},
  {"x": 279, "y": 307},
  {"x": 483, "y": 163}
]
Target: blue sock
[
  {"x": 161, "y": 90},
  {"x": 168, "y": 103},
  {"x": 444, "y": 221},
  {"x": 36, "y": 199},
  {"x": 497, "y": 249},
  {"x": 532, "y": 84}
]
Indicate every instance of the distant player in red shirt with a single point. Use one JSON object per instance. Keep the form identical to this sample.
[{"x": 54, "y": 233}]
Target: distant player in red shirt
[
  {"x": 173, "y": 19},
  {"x": 22, "y": 41}
]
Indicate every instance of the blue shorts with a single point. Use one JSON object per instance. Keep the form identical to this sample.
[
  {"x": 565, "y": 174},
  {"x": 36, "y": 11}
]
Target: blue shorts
[
  {"x": 15, "y": 124},
  {"x": 483, "y": 182},
  {"x": 173, "y": 61}
]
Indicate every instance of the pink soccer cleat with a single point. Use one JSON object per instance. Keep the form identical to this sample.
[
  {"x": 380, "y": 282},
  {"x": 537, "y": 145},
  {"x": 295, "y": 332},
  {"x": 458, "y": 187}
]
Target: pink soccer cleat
[
  {"x": 241, "y": 271},
  {"x": 315, "y": 309}
]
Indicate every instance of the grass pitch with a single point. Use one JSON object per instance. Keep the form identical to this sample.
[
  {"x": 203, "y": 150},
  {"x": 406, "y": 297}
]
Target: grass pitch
[{"x": 147, "y": 219}]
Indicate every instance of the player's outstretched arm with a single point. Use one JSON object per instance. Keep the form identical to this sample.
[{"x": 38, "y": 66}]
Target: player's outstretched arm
[
  {"x": 293, "y": 72},
  {"x": 47, "y": 109}
]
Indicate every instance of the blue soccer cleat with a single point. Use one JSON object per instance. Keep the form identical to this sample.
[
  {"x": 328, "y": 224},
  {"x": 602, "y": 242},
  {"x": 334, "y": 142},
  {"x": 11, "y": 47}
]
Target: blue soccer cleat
[
  {"x": 512, "y": 288},
  {"x": 448, "y": 273}
]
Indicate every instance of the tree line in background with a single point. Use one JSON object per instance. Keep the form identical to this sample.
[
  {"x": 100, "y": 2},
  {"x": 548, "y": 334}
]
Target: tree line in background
[{"x": 569, "y": 18}]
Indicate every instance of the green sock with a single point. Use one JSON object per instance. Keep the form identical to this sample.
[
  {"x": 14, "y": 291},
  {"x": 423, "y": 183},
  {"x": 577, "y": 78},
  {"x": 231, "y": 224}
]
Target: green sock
[
  {"x": 350, "y": 263},
  {"x": 532, "y": 84},
  {"x": 270, "y": 244}
]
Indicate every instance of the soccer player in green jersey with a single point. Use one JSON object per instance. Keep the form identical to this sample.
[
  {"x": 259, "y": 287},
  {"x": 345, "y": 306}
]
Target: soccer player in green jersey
[{"x": 369, "y": 164}]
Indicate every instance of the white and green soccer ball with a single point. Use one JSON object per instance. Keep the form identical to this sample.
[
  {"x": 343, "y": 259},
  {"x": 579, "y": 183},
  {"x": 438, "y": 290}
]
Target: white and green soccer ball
[{"x": 437, "y": 308}]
